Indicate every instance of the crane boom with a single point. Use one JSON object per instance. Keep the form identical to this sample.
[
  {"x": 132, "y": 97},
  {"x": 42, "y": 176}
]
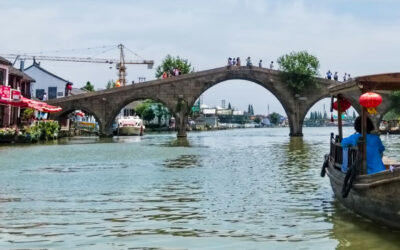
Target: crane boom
[
  {"x": 73, "y": 59},
  {"x": 119, "y": 62}
]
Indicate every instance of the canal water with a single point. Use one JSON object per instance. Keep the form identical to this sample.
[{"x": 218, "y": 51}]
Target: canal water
[{"x": 232, "y": 189}]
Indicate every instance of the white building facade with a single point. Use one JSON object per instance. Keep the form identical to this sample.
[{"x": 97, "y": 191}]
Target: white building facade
[{"x": 46, "y": 83}]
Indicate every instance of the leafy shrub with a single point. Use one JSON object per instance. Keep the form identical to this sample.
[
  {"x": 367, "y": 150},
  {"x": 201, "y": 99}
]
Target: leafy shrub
[{"x": 298, "y": 70}]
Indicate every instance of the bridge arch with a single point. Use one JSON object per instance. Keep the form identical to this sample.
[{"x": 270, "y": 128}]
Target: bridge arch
[
  {"x": 64, "y": 113},
  {"x": 255, "y": 75},
  {"x": 209, "y": 86},
  {"x": 124, "y": 102},
  {"x": 353, "y": 101}
]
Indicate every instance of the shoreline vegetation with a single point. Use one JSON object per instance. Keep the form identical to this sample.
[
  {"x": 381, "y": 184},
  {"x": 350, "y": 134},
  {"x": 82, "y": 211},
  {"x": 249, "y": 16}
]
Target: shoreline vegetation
[
  {"x": 39, "y": 131},
  {"x": 50, "y": 130}
]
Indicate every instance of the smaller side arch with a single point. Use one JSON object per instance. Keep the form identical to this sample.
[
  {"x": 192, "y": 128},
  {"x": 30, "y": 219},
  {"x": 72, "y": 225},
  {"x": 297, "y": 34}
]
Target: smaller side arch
[
  {"x": 115, "y": 110},
  {"x": 309, "y": 105},
  {"x": 64, "y": 113}
]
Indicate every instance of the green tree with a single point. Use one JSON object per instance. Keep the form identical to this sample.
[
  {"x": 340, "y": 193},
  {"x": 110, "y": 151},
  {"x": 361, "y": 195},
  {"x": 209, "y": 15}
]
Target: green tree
[
  {"x": 89, "y": 87},
  {"x": 140, "y": 109},
  {"x": 298, "y": 70},
  {"x": 395, "y": 99},
  {"x": 28, "y": 114},
  {"x": 149, "y": 109},
  {"x": 148, "y": 114},
  {"x": 169, "y": 63},
  {"x": 257, "y": 119},
  {"x": 110, "y": 84},
  {"x": 391, "y": 115},
  {"x": 274, "y": 118},
  {"x": 160, "y": 112},
  {"x": 229, "y": 106}
]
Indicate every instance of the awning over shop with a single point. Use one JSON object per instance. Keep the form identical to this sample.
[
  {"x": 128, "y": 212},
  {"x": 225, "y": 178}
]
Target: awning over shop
[
  {"x": 29, "y": 103},
  {"x": 40, "y": 106}
]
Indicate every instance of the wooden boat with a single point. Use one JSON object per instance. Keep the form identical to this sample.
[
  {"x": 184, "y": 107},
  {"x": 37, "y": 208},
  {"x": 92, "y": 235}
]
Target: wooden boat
[{"x": 374, "y": 196}]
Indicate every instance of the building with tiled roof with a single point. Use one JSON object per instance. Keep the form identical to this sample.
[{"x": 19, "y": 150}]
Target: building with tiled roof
[
  {"x": 46, "y": 82},
  {"x": 4, "y": 61}
]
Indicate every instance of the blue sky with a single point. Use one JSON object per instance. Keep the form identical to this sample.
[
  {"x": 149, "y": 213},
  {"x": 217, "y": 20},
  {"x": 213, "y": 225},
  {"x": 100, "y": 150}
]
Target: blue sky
[{"x": 354, "y": 36}]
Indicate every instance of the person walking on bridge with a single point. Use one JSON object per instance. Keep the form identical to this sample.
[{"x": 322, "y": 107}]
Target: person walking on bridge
[
  {"x": 248, "y": 63},
  {"x": 329, "y": 75},
  {"x": 335, "y": 76},
  {"x": 271, "y": 65},
  {"x": 260, "y": 64},
  {"x": 229, "y": 63},
  {"x": 238, "y": 61}
]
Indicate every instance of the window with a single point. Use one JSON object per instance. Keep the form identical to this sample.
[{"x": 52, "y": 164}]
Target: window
[
  {"x": 39, "y": 94},
  {"x": 52, "y": 93},
  {"x": 60, "y": 93},
  {"x": 2, "y": 76}
]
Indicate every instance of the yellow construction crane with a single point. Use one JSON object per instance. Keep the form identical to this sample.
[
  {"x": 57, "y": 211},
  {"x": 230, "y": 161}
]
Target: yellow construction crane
[{"x": 120, "y": 63}]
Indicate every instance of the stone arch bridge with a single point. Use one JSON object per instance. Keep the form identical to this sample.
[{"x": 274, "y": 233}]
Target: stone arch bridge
[{"x": 179, "y": 93}]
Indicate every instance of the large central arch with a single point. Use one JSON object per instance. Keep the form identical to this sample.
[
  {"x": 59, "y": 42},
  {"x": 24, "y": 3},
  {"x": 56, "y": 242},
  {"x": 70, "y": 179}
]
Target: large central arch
[{"x": 250, "y": 80}]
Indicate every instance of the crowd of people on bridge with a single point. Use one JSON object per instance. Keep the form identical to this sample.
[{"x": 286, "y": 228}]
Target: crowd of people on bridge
[
  {"x": 346, "y": 77},
  {"x": 173, "y": 72},
  {"x": 235, "y": 62}
]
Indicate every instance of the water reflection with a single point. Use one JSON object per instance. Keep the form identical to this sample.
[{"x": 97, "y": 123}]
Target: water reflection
[
  {"x": 349, "y": 228},
  {"x": 180, "y": 142},
  {"x": 183, "y": 161}
]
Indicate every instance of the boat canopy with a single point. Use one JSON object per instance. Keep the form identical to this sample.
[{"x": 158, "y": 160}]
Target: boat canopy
[
  {"x": 380, "y": 83},
  {"x": 376, "y": 83}
]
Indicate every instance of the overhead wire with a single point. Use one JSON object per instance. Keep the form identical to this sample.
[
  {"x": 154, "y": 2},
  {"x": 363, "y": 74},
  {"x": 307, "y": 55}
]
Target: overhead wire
[
  {"x": 66, "y": 50},
  {"x": 105, "y": 51},
  {"x": 133, "y": 53}
]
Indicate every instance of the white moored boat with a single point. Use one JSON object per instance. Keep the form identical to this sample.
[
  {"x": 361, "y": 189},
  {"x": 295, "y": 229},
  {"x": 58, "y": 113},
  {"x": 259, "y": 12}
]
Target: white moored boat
[{"x": 130, "y": 125}]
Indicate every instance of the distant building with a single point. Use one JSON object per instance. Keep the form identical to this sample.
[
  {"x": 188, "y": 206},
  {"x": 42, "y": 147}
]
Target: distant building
[{"x": 47, "y": 82}]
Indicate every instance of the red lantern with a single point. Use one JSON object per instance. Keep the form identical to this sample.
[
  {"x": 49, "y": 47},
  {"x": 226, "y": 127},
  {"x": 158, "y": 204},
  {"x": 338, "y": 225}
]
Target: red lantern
[
  {"x": 344, "y": 105},
  {"x": 370, "y": 101}
]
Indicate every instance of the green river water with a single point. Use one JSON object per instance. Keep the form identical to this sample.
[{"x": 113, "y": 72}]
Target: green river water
[{"x": 232, "y": 189}]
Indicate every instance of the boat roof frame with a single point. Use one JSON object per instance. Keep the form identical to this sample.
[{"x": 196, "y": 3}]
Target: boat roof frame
[{"x": 377, "y": 82}]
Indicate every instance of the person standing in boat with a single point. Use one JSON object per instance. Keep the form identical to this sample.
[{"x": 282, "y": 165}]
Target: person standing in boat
[{"x": 375, "y": 147}]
